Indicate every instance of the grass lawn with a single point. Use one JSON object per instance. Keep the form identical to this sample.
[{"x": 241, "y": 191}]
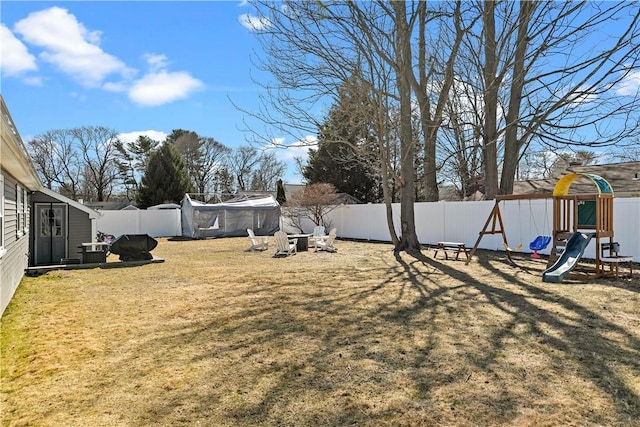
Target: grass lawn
[{"x": 217, "y": 336}]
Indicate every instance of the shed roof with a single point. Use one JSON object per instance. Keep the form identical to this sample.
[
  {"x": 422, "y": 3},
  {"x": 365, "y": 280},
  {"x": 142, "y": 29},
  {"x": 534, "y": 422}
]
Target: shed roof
[{"x": 92, "y": 213}]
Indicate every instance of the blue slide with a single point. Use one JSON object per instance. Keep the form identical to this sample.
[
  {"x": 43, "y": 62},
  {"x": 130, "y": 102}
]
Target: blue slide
[{"x": 572, "y": 253}]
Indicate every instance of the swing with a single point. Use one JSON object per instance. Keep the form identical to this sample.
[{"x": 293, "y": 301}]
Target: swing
[
  {"x": 540, "y": 242},
  {"x": 504, "y": 241},
  {"x": 517, "y": 248}
]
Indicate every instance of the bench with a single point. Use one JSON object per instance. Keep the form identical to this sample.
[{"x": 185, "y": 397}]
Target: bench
[
  {"x": 614, "y": 262},
  {"x": 94, "y": 252},
  {"x": 454, "y": 248},
  {"x": 610, "y": 255}
]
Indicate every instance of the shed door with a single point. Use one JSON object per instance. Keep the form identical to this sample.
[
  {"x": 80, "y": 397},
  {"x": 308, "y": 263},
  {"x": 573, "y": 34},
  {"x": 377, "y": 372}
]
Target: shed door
[{"x": 50, "y": 233}]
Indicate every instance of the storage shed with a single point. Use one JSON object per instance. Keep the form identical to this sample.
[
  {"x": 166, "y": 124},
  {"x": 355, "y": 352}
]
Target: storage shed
[
  {"x": 60, "y": 226},
  {"x": 230, "y": 218}
]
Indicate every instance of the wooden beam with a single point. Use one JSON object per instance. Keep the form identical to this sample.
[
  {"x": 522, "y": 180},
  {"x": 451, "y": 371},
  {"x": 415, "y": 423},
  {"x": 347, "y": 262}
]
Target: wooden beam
[{"x": 524, "y": 196}]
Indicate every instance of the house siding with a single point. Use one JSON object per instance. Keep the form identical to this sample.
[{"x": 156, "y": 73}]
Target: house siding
[
  {"x": 79, "y": 231},
  {"x": 16, "y": 258}
]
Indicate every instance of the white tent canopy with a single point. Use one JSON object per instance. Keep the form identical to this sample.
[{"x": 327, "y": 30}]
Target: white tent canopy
[{"x": 231, "y": 218}]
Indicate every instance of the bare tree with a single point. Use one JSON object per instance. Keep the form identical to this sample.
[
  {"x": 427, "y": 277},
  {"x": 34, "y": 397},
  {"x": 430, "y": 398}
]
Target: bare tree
[
  {"x": 97, "y": 145},
  {"x": 241, "y": 163},
  {"x": 314, "y": 203},
  {"x": 203, "y": 156},
  {"x": 313, "y": 48},
  {"x": 551, "y": 78},
  {"x": 267, "y": 172},
  {"x": 631, "y": 154},
  {"x": 567, "y": 159},
  {"x": 57, "y": 161},
  {"x": 459, "y": 148}
]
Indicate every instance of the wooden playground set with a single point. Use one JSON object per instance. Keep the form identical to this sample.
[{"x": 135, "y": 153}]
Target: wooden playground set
[{"x": 577, "y": 219}]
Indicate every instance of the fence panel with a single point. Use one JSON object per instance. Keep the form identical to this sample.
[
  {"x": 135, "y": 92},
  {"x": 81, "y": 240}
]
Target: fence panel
[
  {"x": 524, "y": 220},
  {"x": 155, "y": 223}
]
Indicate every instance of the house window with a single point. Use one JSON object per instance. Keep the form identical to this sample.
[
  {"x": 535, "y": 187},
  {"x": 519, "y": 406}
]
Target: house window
[
  {"x": 2, "y": 249},
  {"x": 25, "y": 210}
]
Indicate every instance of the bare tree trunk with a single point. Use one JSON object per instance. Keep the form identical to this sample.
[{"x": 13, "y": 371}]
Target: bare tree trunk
[
  {"x": 431, "y": 193},
  {"x": 409, "y": 239},
  {"x": 386, "y": 191},
  {"x": 512, "y": 142},
  {"x": 490, "y": 140}
]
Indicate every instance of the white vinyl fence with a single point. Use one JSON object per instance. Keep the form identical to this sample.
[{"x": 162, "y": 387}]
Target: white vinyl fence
[
  {"x": 155, "y": 223},
  {"x": 437, "y": 221},
  {"x": 462, "y": 222}
]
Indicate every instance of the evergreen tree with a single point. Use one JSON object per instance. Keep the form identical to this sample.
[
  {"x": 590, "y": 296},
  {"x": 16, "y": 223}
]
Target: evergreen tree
[
  {"x": 133, "y": 160},
  {"x": 344, "y": 154},
  {"x": 280, "y": 195},
  {"x": 166, "y": 179}
]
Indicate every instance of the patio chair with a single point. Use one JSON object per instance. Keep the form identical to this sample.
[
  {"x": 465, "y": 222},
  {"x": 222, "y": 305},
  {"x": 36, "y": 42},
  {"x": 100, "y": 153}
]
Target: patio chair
[
  {"x": 284, "y": 245},
  {"x": 260, "y": 243},
  {"x": 326, "y": 243},
  {"x": 318, "y": 231}
]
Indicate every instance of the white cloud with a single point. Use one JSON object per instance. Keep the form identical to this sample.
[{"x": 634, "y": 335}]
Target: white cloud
[
  {"x": 68, "y": 45},
  {"x": 32, "y": 81},
  {"x": 157, "y": 88},
  {"x": 243, "y": 3},
  {"x": 156, "y": 135},
  {"x": 156, "y": 61},
  {"x": 254, "y": 23},
  {"x": 298, "y": 149},
  {"x": 75, "y": 50},
  {"x": 582, "y": 96},
  {"x": 115, "y": 86},
  {"x": 14, "y": 55},
  {"x": 630, "y": 85}
]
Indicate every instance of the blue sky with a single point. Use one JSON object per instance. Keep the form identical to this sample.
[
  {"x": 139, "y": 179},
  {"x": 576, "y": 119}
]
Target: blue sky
[
  {"x": 137, "y": 67},
  {"x": 140, "y": 67}
]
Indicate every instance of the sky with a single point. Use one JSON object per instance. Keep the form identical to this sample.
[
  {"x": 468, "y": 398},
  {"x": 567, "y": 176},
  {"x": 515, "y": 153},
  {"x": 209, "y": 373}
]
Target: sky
[{"x": 139, "y": 67}]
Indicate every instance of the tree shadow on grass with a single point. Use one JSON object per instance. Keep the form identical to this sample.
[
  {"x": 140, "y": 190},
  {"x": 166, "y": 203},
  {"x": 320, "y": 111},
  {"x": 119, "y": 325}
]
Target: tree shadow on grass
[
  {"x": 579, "y": 335},
  {"x": 302, "y": 339}
]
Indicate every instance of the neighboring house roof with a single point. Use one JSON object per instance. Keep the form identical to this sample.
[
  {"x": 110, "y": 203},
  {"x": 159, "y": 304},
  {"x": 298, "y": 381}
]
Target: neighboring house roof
[
  {"x": 624, "y": 178},
  {"x": 164, "y": 206},
  {"x": 93, "y": 214},
  {"x": 108, "y": 206},
  {"x": 347, "y": 199},
  {"x": 15, "y": 159},
  {"x": 290, "y": 189},
  {"x": 448, "y": 193}
]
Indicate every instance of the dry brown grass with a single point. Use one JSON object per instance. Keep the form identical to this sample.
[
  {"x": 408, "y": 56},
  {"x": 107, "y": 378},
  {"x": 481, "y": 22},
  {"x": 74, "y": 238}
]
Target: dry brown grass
[{"x": 217, "y": 336}]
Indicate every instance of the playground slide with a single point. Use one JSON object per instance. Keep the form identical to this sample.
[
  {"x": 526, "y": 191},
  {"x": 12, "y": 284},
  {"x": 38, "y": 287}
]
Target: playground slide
[{"x": 572, "y": 253}]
